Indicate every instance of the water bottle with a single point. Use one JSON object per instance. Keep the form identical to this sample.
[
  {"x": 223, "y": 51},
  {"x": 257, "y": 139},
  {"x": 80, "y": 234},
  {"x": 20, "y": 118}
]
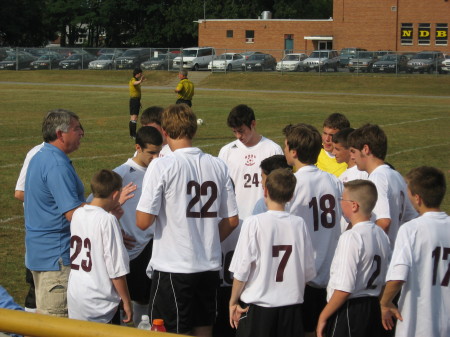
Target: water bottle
[
  {"x": 158, "y": 325},
  {"x": 145, "y": 323}
]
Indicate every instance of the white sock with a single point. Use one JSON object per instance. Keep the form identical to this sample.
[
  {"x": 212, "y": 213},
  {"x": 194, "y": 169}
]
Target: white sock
[{"x": 138, "y": 311}]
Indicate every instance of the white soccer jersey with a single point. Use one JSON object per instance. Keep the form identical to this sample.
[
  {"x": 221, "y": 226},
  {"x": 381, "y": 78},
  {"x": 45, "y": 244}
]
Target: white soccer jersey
[
  {"x": 316, "y": 201},
  {"x": 353, "y": 173},
  {"x": 132, "y": 172},
  {"x": 188, "y": 191},
  {"x": 97, "y": 255},
  {"x": 393, "y": 202},
  {"x": 20, "y": 185},
  {"x": 243, "y": 163},
  {"x": 275, "y": 258},
  {"x": 421, "y": 259},
  {"x": 360, "y": 262}
]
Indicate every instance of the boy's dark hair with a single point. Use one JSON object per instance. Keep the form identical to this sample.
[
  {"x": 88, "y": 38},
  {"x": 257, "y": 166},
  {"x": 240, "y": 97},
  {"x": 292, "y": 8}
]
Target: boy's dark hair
[
  {"x": 341, "y": 136},
  {"x": 152, "y": 114},
  {"x": 240, "y": 115},
  {"x": 280, "y": 185},
  {"x": 137, "y": 71},
  {"x": 371, "y": 135},
  {"x": 429, "y": 183},
  {"x": 274, "y": 162},
  {"x": 148, "y": 135},
  {"x": 336, "y": 121},
  {"x": 306, "y": 140},
  {"x": 104, "y": 183},
  {"x": 365, "y": 194},
  {"x": 179, "y": 121}
]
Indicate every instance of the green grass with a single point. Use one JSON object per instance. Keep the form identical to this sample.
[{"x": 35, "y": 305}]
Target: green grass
[{"x": 414, "y": 110}]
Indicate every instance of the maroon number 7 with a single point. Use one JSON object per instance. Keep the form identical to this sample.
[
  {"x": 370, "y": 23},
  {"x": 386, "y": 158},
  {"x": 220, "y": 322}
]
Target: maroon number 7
[{"x": 275, "y": 253}]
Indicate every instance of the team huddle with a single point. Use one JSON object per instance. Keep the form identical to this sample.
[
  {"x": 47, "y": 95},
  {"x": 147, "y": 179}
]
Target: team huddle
[{"x": 320, "y": 238}]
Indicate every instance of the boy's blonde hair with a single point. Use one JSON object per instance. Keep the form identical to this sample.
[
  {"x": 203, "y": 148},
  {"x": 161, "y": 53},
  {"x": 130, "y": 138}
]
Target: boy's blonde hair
[
  {"x": 280, "y": 184},
  {"x": 364, "y": 192},
  {"x": 104, "y": 183},
  {"x": 179, "y": 121}
]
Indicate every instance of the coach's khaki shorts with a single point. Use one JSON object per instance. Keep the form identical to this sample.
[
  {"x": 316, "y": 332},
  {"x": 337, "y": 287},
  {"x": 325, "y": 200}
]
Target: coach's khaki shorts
[{"x": 51, "y": 291}]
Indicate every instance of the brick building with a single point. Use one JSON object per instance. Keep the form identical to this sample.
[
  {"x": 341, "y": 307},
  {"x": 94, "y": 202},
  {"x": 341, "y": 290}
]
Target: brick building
[{"x": 397, "y": 25}]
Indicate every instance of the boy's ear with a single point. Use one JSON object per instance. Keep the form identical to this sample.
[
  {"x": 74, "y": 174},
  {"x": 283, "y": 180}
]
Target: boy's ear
[
  {"x": 137, "y": 147},
  {"x": 366, "y": 150},
  {"x": 266, "y": 193},
  {"x": 116, "y": 194}
]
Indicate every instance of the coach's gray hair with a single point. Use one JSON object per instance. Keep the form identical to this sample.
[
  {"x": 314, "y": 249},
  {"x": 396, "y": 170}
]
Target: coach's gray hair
[{"x": 56, "y": 120}]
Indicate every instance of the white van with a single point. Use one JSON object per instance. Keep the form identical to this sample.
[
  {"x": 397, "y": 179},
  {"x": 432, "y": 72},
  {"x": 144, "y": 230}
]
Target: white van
[{"x": 195, "y": 58}]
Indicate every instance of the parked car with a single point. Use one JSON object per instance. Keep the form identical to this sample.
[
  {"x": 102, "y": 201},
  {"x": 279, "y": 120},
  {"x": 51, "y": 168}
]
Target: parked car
[
  {"x": 445, "y": 69},
  {"x": 347, "y": 54},
  {"x": 76, "y": 61},
  {"x": 426, "y": 61},
  {"x": 227, "y": 61},
  {"x": 247, "y": 54},
  {"x": 291, "y": 62},
  {"x": 259, "y": 62},
  {"x": 322, "y": 60},
  {"x": 48, "y": 61},
  {"x": 194, "y": 58},
  {"x": 105, "y": 61},
  {"x": 19, "y": 60},
  {"x": 390, "y": 63},
  {"x": 363, "y": 61},
  {"x": 160, "y": 61},
  {"x": 132, "y": 58}
]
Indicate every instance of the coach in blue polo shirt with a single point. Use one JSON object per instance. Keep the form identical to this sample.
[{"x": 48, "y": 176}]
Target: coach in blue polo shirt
[{"x": 53, "y": 193}]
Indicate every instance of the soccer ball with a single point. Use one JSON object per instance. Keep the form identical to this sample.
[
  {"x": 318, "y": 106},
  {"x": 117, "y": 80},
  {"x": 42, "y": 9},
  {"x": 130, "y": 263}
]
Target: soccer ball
[{"x": 199, "y": 121}]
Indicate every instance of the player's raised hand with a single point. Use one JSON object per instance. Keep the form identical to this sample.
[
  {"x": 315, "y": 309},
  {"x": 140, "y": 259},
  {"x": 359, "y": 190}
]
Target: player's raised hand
[
  {"x": 388, "y": 312},
  {"x": 127, "y": 192}
]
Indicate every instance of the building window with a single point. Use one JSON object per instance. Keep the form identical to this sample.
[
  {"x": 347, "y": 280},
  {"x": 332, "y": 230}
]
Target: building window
[
  {"x": 424, "y": 34},
  {"x": 441, "y": 37},
  {"x": 406, "y": 34},
  {"x": 249, "y": 36},
  {"x": 229, "y": 33}
]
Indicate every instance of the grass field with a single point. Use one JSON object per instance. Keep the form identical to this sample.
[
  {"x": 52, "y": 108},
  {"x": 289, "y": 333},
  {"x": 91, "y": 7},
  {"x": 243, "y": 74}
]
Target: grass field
[{"x": 414, "y": 110}]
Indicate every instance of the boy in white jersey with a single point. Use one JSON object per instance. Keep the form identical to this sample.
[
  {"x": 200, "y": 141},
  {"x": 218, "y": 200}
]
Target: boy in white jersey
[
  {"x": 148, "y": 146},
  {"x": 316, "y": 201},
  {"x": 267, "y": 166},
  {"x": 152, "y": 117},
  {"x": 358, "y": 269},
  {"x": 243, "y": 157},
  {"x": 326, "y": 160},
  {"x": 99, "y": 260},
  {"x": 368, "y": 148},
  {"x": 272, "y": 263},
  {"x": 341, "y": 152},
  {"x": 190, "y": 199},
  {"x": 419, "y": 265}
]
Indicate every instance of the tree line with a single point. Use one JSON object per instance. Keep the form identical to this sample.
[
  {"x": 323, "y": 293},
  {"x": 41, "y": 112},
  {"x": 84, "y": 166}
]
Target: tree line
[{"x": 124, "y": 23}]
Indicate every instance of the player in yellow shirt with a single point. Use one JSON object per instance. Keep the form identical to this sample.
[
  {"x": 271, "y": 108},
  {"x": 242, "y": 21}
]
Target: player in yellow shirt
[
  {"x": 326, "y": 161},
  {"x": 184, "y": 89},
  {"x": 135, "y": 99}
]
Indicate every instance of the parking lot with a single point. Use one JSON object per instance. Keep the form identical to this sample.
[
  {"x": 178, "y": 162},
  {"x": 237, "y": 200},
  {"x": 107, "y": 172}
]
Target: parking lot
[{"x": 349, "y": 60}]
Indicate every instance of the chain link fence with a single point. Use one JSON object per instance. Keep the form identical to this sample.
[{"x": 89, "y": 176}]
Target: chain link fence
[{"x": 351, "y": 60}]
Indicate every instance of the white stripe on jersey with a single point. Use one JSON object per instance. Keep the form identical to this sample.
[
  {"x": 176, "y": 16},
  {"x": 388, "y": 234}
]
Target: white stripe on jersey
[
  {"x": 316, "y": 201},
  {"x": 421, "y": 259},
  {"x": 360, "y": 262}
]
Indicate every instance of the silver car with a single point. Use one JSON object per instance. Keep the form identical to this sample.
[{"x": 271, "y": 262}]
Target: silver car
[
  {"x": 226, "y": 61},
  {"x": 105, "y": 61}
]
